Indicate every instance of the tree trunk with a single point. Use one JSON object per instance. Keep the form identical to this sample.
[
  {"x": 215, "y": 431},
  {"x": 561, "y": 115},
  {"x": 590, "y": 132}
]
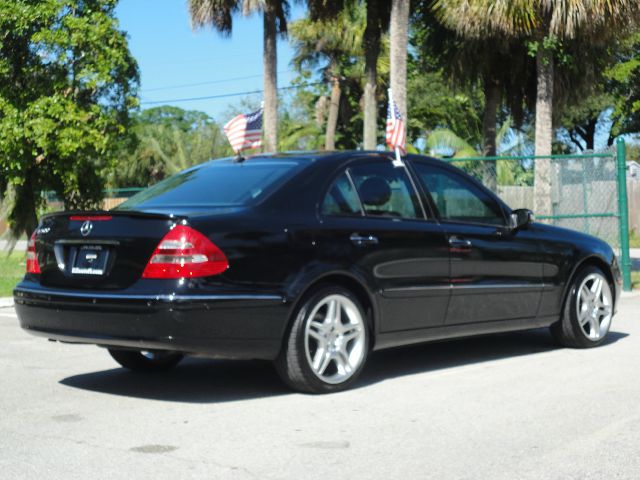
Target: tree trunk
[
  {"x": 371, "y": 52},
  {"x": 332, "y": 118},
  {"x": 399, "y": 35},
  {"x": 544, "y": 131},
  {"x": 492, "y": 95},
  {"x": 270, "y": 80}
]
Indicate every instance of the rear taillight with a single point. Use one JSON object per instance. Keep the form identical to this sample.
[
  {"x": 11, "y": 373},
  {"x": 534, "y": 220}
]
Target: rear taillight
[
  {"x": 32, "y": 257},
  {"x": 185, "y": 253}
]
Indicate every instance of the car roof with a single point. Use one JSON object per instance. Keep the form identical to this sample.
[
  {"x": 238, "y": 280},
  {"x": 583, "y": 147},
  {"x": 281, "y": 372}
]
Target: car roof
[{"x": 336, "y": 156}]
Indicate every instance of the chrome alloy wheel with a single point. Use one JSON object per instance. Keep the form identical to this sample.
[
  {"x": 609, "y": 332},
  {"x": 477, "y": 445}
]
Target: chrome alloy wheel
[
  {"x": 335, "y": 339},
  {"x": 594, "y": 306}
]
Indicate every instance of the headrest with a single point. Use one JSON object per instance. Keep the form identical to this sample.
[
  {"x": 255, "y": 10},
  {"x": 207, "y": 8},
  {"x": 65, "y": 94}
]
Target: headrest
[{"x": 375, "y": 191}]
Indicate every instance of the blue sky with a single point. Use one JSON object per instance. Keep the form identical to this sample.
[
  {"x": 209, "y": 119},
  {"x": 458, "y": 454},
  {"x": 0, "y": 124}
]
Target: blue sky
[{"x": 171, "y": 54}]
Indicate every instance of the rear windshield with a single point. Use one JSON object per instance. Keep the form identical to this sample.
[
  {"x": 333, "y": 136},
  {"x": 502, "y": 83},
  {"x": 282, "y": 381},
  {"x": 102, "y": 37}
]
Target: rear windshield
[{"x": 217, "y": 184}]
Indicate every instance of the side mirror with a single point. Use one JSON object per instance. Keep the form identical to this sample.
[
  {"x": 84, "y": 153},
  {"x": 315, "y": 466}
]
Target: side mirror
[{"x": 521, "y": 217}]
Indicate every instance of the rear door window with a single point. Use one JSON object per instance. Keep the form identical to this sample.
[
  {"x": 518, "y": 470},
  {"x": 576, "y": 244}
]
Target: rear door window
[
  {"x": 341, "y": 199},
  {"x": 385, "y": 190}
]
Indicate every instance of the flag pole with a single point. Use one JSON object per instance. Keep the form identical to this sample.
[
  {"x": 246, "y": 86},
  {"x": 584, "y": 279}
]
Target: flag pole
[
  {"x": 262, "y": 147},
  {"x": 397, "y": 162}
]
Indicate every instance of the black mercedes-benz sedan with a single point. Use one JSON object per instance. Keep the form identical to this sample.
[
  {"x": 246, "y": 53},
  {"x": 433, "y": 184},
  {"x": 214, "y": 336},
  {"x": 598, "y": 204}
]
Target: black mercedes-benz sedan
[{"x": 310, "y": 260}]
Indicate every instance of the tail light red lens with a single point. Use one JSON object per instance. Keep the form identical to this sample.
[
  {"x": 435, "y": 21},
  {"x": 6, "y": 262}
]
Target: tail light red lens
[
  {"x": 32, "y": 257},
  {"x": 185, "y": 253}
]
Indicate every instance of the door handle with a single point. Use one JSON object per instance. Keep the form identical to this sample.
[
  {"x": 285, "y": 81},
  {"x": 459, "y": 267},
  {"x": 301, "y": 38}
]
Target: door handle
[
  {"x": 362, "y": 240},
  {"x": 459, "y": 244}
]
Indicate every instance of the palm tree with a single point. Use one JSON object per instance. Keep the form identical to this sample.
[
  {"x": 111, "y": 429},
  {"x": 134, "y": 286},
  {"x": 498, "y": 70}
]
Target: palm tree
[
  {"x": 377, "y": 22},
  {"x": 328, "y": 43},
  {"x": 399, "y": 36},
  {"x": 219, "y": 15},
  {"x": 443, "y": 142},
  {"x": 378, "y": 13},
  {"x": 544, "y": 24},
  {"x": 499, "y": 65}
]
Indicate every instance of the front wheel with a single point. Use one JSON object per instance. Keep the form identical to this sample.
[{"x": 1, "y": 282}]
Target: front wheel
[
  {"x": 588, "y": 311},
  {"x": 328, "y": 343},
  {"x": 146, "y": 360}
]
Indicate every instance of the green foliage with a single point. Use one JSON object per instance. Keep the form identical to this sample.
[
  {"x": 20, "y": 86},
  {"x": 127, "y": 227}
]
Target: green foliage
[
  {"x": 634, "y": 239},
  {"x": 444, "y": 142},
  {"x": 12, "y": 267},
  {"x": 332, "y": 46},
  {"x": 434, "y": 104},
  {"x": 624, "y": 84},
  {"x": 67, "y": 83},
  {"x": 167, "y": 140}
]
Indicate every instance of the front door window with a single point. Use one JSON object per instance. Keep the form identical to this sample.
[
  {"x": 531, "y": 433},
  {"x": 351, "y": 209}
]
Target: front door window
[{"x": 458, "y": 199}]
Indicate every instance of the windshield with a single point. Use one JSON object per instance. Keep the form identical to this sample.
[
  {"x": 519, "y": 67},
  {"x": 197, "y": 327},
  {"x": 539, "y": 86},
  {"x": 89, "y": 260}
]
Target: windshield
[{"x": 220, "y": 183}]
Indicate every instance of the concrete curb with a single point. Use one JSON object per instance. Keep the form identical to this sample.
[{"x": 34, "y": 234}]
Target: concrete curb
[
  {"x": 632, "y": 294},
  {"x": 6, "y": 302}
]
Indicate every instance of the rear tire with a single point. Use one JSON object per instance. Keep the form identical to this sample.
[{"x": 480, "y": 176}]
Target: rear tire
[
  {"x": 328, "y": 344},
  {"x": 588, "y": 310},
  {"x": 146, "y": 360}
]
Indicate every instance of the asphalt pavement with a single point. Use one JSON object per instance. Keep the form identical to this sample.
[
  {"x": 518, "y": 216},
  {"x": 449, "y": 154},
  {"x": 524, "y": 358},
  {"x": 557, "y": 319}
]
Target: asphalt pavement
[{"x": 510, "y": 406}]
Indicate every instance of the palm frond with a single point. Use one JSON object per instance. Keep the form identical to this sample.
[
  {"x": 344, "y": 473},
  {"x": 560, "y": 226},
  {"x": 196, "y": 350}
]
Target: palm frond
[
  {"x": 445, "y": 142},
  {"x": 566, "y": 19},
  {"x": 214, "y": 13}
]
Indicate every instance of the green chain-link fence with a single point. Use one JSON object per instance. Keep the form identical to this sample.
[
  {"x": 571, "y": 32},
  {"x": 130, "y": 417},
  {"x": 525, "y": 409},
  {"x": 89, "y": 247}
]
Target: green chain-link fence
[{"x": 585, "y": 192}]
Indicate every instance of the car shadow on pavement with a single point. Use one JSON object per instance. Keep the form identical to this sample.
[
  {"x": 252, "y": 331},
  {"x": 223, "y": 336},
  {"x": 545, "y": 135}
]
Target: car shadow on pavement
[
  {"x": 436, "y": 356},
  {"x": 194, "y": 380},
  {"x": 197, "y": 380}
]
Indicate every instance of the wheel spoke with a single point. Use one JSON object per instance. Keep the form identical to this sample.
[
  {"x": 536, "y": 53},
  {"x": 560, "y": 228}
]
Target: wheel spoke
[
  {"x": 317, "y": 335},
  {"x": 583, "y": 317},
  {"x": 316, "y": 328},
  {"x": 350, "y": 332},
  {"x": 332, "y": 311},
  {"x": 342, "y": 360},
  {"x": 321, "y": 360},
  {"x": 585, "y": 294},
  {"x": 604, "y": 310},
  {"x": 337, "y": 317},
  {"x": 596, "y": 287},
  {"x": 594, "y": 325}
]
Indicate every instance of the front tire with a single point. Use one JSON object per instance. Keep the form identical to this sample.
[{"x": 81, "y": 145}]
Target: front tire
[
  {"x": 588, "y": 311},
  {"x": 328, "y": 344},
  {"x": 146, "y": 360}
]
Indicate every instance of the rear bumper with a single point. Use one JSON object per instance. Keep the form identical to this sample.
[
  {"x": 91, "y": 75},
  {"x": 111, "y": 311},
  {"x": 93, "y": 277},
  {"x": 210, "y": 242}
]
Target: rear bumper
[{"x": 234, "y": 325}]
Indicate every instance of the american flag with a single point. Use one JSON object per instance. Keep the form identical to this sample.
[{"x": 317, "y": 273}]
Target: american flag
[
  {"x": 395, "y": 134},
  {"x": 245, "y": 131}
]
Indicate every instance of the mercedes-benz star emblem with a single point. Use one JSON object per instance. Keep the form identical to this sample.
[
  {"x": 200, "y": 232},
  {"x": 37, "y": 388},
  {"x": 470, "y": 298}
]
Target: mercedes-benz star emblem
[{"x": 86, "y": 228}]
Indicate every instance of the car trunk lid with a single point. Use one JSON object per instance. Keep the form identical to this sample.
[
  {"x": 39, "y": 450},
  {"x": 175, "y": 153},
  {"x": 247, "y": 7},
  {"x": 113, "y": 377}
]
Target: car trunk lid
[{"x": 96, "y": 249}]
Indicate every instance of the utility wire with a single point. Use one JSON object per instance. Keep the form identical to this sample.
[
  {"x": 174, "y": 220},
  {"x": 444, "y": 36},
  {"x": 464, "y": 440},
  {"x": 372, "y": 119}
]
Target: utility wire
[
  {"x": 225, "y": 95},
  {"x": 209, "y": 82}
]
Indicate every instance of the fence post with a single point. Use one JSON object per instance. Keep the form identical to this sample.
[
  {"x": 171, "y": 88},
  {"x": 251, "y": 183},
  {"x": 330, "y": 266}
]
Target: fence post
[{"x": 623, "y": 212}]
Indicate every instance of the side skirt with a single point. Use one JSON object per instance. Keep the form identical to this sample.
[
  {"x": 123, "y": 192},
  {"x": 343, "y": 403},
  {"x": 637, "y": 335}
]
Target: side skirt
[{"x": 408, "y": 337}]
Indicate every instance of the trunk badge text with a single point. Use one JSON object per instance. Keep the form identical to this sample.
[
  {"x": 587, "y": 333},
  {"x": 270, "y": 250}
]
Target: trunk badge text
[{"x": 86, "y": 228}]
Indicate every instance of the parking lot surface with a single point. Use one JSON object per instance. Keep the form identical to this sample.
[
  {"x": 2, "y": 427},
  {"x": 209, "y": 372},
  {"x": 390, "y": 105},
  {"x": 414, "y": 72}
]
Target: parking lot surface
[{"x": 498, "y": 407}]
